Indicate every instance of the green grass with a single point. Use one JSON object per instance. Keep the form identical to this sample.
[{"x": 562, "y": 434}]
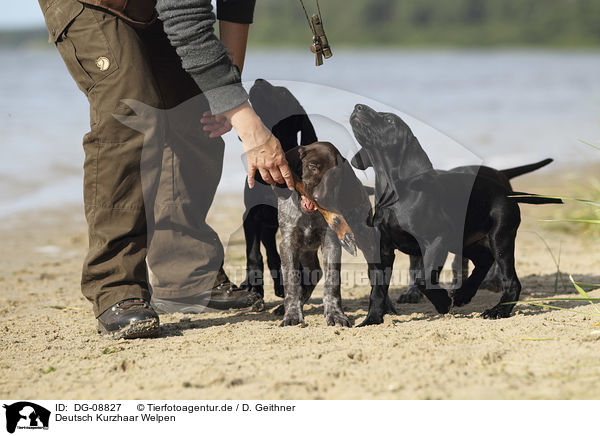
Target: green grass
[
  {"x": 558, "y": 277},
  {"x": 589, "y": 218},
  {"x": 543, "y": 302},
  {"x": 581, "y": 213}
]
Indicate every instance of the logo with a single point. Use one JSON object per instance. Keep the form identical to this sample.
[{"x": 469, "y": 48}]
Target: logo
[
  {"x": 26, "y": 415},
  {"x": 103, "y": 63}
]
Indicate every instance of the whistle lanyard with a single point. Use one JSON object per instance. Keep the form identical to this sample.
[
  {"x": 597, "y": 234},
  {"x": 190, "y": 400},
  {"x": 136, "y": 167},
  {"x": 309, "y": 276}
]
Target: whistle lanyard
[{"x": 312, "y": 29}]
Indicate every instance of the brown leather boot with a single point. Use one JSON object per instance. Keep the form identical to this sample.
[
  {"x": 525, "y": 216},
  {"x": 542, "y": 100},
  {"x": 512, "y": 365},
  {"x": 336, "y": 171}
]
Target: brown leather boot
[{"x": 129, "y": 319}]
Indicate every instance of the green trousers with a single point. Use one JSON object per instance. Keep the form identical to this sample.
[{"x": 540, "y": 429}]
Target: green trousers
[{"x": 150, "y": 172}]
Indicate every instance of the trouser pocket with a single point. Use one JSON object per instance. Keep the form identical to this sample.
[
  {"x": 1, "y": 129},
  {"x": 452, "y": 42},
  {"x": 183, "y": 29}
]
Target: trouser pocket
[
  {"x": 77, "y": 32},
  {"x": 112, "y": 177}
]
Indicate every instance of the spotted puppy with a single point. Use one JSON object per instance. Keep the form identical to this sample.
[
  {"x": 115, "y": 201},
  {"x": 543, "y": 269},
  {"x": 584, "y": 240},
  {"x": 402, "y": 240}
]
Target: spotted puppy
[
  {"x": 281, "y": 112},
  {"x": 304, "y": 230}
]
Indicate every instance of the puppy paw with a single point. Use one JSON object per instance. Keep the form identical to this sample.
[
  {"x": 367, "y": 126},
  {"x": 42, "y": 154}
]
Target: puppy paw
[
  {"x": 412, "y": 296},
  {"x": 292, "y": 319},
  {"x": 337, "y": 318},
  {"x": 279, "y": 310},
  {"x": 372, "y": 319},
  {"x": 497, "y": 312},
  {"x": 460, "y": 298},
  {"x": 443, "y": 303}
]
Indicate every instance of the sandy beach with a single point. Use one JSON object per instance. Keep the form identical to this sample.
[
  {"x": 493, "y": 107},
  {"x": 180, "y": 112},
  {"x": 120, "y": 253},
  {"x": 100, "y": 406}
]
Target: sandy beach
[{"x": 49, "y": 347}]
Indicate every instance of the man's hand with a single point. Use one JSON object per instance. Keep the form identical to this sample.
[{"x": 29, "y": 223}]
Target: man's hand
[
  {"x": 217, "y": 125},
  {"x": 263, "y": 150},
  {"x": 269, "y": 160}
]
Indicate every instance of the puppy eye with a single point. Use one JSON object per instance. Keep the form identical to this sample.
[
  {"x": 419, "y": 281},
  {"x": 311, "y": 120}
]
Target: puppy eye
[
  {"x": 390, "y": 119},
  {"x": 313, "y": 166}
]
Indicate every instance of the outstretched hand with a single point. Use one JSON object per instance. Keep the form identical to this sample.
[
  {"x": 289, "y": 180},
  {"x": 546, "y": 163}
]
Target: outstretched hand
[
  {"x": 270, "y": 162},
  {"x": 263, "y": 150}
]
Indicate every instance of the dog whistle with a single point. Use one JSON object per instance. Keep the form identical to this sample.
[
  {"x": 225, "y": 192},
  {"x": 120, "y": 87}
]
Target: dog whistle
[
  {"x": 317, "y": 25},
  {"x": 318, "y": 51}
]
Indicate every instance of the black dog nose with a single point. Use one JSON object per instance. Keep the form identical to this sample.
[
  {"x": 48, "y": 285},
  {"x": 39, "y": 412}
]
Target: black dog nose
[{"x": 359, "y": 107}]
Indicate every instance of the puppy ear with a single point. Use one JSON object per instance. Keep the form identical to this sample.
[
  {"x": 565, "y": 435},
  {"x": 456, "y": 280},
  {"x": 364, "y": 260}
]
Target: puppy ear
[
  {"x": 294, "y": 160},
  {"x": 355, "y": 189},
  {"x": 361, "y": 160},
  {"x": 340, "y": 190}
]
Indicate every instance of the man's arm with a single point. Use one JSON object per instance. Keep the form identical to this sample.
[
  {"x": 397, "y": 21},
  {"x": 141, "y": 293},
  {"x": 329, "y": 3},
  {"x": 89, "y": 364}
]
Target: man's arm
[
  {"x": 189, "y": 24},
  {"x": 234, "y": 25},
  {"x": 235, "y": 17},
  {"x": 235, "y": 37}
]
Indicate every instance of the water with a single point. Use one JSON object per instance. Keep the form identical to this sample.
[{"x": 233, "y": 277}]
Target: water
[{"x": 502, "y": 108}]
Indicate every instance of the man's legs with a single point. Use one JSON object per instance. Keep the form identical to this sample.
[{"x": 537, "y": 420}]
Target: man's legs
[
  {"x": 185, "y": 255},
  {"x": 109, "y": 61},
  {"x": 106, "y": 60}
]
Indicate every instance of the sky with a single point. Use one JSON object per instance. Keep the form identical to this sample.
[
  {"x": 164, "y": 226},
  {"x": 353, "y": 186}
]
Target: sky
[{"x": 20, "y": 14}]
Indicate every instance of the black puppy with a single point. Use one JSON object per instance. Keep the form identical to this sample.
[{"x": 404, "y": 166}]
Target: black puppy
[
  {"x": 285, "y": 117},
  {"x": 425, "y": 212},
  {"x": 460, "y": 267}
]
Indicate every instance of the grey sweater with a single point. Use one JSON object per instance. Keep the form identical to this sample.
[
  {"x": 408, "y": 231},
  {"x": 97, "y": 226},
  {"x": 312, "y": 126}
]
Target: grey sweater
[{"x": 189, "y": 24}]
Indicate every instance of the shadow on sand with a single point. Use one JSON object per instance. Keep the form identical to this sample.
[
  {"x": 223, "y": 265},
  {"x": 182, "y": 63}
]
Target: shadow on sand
[{"x": 534, "y": 287}]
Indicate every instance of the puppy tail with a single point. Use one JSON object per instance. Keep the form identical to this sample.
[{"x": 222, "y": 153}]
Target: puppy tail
[
  {"x": 526, "y": 198},
  {"x": 519, "y": 171}
]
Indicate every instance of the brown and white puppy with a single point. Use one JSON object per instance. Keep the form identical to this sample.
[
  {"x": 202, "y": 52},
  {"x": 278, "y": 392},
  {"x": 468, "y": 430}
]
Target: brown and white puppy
[
  {"x": 323, "y": 177},
  {"x": 281, "y": 112}
]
